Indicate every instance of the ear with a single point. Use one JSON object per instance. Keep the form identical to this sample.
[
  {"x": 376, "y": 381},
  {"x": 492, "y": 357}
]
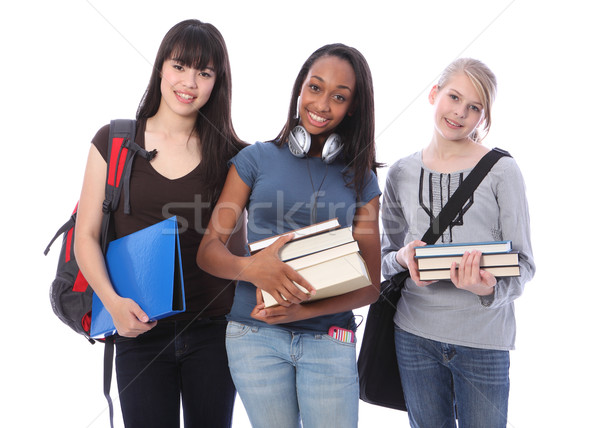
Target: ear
[{"x": 433, "y": 94}]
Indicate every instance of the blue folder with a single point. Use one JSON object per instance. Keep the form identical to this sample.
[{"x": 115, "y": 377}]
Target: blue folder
[{"x": 144, "y": 266}]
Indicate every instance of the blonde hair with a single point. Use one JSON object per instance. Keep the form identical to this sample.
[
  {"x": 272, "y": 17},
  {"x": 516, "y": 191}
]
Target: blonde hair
[{"x": 485, "y": 84}]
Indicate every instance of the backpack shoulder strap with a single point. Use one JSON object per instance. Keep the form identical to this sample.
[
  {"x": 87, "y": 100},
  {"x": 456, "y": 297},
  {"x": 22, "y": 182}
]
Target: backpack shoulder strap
[{"x": 122, "y": 149}]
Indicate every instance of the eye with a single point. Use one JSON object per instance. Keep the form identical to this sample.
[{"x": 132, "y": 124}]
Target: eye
[
  {"x": 206, "y": 74},
  {"x": 177, "y": 65},
  {"x": 313, "y": 87},
  {"x": 474, "y": 108},
  {"x": 454, "y": 97},
  {"x": 339, "y": 98}
]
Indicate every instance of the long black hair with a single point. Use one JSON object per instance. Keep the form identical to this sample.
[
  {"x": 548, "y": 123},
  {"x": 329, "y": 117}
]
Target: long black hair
[
  {"x": 358, "y": 130},
  {"x": 197, "y": 44}
]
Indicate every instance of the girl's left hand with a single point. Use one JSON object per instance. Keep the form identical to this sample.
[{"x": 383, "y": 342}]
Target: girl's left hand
[
  {"x": 276, "y": 314},
  {"x": 469, "y": 276}
]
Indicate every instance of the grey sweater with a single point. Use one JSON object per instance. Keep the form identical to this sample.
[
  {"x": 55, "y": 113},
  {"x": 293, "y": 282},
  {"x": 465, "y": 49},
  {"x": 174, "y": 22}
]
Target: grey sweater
[{"x": 498, "y": 210}]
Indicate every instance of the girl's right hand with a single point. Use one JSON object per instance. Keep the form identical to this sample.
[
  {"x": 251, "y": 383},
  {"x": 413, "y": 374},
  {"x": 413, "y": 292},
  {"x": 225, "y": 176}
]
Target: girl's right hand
[
  {"x": 129, "y": 319},
  {"x": 406, "y": 258},
  {"x": 267, "y": 272}
]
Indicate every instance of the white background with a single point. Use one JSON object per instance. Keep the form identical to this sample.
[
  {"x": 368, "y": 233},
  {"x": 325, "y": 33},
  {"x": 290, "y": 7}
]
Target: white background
[{"x": 68, "y": 67}]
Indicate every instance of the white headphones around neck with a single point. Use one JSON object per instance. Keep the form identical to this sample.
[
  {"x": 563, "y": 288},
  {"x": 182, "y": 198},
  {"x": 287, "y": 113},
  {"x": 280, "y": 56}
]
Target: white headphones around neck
[{"x": 299, "y": 144}]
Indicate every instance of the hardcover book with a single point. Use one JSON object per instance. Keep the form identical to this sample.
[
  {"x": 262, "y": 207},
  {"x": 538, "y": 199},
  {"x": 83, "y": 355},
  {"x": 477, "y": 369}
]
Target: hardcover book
[
  {"x": 298, "y": 233},
  {"x": 497, "y": 271},
  {"x": 487, "y": 260},
  {"x": 332, "y": 277},
  {"x": 461, "y": 248}
]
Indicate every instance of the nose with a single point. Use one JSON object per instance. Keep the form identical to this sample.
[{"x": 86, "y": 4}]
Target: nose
[
  {"x": 322, "y": 103},
  {"x": 461, "y": 111},
  {"x": 189, "y": 79}
]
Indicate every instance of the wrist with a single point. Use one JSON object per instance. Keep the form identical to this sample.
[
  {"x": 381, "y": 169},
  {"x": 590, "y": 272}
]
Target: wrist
[
  {"x": 400, "y": 259},
  {"x": 487, "y": 299}
]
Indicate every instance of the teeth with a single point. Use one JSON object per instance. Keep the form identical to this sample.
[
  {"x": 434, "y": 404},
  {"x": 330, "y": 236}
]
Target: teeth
[
  {"x": 317, "y": 118},
  {"x": 184, "y": 96},
  {"x": 453, "y": 123}
]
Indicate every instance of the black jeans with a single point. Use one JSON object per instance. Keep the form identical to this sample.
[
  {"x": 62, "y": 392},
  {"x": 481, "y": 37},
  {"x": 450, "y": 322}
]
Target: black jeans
[{"x": 173, "y": 361}]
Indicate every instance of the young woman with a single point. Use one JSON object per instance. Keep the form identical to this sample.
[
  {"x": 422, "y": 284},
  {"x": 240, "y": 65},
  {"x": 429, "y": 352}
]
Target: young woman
[
  {"x": 285, "y": 366},
  {"x": 185, "y": 115},
  {"x": 453, "y": 336}
]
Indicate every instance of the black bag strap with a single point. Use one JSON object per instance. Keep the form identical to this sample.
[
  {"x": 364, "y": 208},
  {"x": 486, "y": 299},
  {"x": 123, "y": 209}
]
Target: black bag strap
[
  {"x": 68, "y": 225},
  {"x": 461, "y": 194},
  {"x": 109, "y": 352}
]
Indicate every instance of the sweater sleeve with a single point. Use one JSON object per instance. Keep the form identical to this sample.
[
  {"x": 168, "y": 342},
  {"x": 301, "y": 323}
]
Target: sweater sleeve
[
  {"x": 514, "y": 222},
  {"x": 393, "y": 224}
]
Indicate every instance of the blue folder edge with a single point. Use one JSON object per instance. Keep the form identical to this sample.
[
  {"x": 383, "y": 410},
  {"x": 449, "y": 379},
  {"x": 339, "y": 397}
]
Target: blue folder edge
[{"x": 144, "y": 266}]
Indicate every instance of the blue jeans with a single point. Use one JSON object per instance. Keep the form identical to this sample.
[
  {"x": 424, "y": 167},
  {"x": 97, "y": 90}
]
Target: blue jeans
[
  {"x": 176, "y": 360},
  {"x": 439, "y": 379},
  {"x": 285, "y": 377}
]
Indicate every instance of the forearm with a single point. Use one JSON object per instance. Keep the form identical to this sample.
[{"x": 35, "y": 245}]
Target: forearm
[
  {"x": 342, "y": 303},
  {"x": 93, "y": 267},
  {"x": 215, "y": 258}
]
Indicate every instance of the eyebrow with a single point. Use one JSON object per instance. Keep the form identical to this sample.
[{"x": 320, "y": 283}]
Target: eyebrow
[
  {"x": 320, "y": 79},
  {"x": 474, "y": 102},
  {"x": 183, "y": 62}
]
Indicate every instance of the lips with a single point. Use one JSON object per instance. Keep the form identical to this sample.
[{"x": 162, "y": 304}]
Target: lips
[
  {"x": 317, "y": 120},
  {"x": 184, "y": 98},
  {"x": 453, "y": 124}
]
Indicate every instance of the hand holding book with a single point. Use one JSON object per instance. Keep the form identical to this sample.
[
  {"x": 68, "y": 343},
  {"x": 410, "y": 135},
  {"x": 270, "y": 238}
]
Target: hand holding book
[
  {"x": 277, "y": 314},
  {"x": 405, "y": 256},
  {"x": 129, "y": 319},
  {"x": 323, "y": 254},
  {"x": 267, "y": 272},
  {"x": 470, "y": 277}
]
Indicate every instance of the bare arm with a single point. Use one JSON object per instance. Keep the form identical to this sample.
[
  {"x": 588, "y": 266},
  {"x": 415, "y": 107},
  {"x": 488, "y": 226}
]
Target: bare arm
[
  {"x": 127, "y": 316},
  {"x": 265, "y": 270}
]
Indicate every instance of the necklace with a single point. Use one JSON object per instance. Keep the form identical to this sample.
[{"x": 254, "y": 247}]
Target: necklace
[{"x": 313, "y": 209}]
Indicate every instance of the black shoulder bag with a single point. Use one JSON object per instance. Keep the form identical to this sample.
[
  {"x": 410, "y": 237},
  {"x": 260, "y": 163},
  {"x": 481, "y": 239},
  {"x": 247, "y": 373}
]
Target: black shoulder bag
[{"x": 378, "y": 373}]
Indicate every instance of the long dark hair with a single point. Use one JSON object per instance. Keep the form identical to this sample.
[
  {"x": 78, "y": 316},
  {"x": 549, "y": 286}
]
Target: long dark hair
[
  {"x": 197, "y": 44},
  {"x": 358, "y": 130}
]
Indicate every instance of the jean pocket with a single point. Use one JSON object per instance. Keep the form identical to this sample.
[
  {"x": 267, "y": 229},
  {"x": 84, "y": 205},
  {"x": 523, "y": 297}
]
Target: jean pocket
[
  {"x": 340, "y": 342},
  {"x": 236, "y": 329}
]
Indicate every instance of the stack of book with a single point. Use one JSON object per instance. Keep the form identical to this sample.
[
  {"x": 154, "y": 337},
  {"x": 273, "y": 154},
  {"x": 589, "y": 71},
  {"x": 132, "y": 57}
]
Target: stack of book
[
  {"x": 435, "y": 261},
  {"x": 326, "y": 255}
]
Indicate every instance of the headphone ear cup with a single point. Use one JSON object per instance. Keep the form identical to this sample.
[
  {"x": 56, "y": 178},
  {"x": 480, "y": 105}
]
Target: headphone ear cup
[
  {"x": 332, "y": 148},
  {"x": 299, "y": 141}
]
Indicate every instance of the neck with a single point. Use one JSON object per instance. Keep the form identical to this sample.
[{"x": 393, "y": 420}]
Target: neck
[
  {"x": 316, "y": 144},
  {"x": 170, "y": 123},
  {"x": 442, "y": 149}
]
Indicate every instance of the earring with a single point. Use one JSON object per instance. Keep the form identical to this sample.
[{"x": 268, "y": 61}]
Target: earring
[{"x": 297, "y": 108}]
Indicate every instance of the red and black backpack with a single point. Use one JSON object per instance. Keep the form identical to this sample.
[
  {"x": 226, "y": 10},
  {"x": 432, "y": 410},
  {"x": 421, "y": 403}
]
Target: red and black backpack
[{"x": 70, "y": 293}]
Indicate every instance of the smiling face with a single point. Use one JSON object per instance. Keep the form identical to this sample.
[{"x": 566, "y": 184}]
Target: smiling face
[
  {"x": 185, "y": 90},
  {"x": 326, "y": 98},
  {"x": 458, "y": 109}
]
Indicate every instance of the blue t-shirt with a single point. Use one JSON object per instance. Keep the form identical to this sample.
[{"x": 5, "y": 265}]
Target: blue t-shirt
[{"x": 282, "y": 199}]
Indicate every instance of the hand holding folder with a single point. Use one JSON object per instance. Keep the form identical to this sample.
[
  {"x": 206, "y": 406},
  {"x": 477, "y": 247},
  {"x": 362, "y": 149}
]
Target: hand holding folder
[{"x": 144, "y": 266}]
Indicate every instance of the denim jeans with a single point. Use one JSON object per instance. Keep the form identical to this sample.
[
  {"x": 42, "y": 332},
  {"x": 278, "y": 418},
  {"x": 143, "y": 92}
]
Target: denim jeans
[
  {"x": 444, "y": 382},
  {"x": 175, "y": 361},
  {"x": 285, "y": 377}
]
